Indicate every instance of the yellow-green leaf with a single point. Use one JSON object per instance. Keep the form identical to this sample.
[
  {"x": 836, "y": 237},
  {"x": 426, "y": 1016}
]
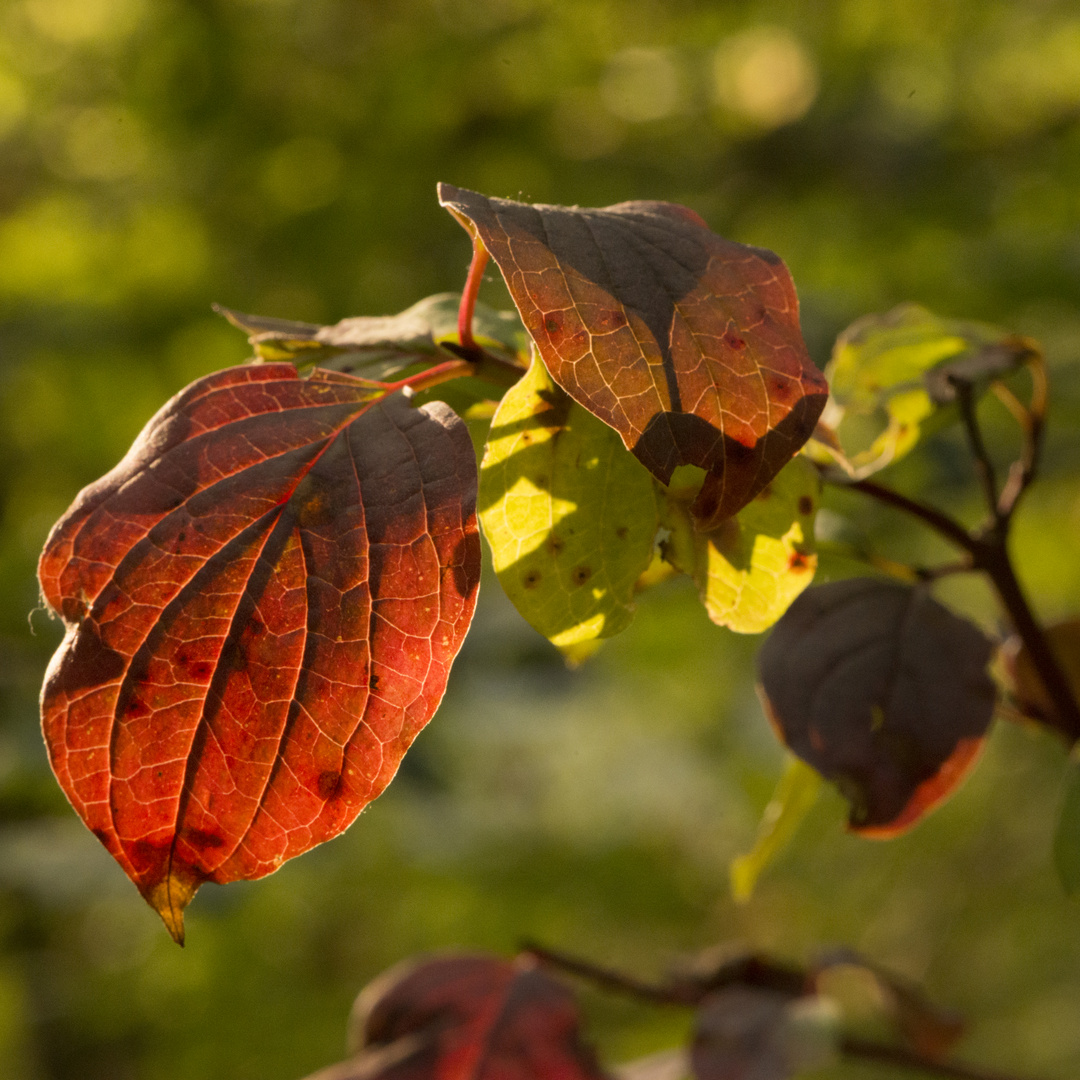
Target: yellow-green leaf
[
  {"x": 793, "y": 799},
  {"x": 750, "y": 570},
  {"x": 883, "y": 392},
  {"x": 570, "y": 514}
]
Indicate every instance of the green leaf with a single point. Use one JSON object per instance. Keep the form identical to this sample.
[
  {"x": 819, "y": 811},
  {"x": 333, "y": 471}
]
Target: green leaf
[
  {"x": 793, "y": 799},
  {"x": 752, "y": 567},
  {"x": 1067, "y": 836},
  {"x": 890, "y": 375},
  {"x": 383, "y": 344},
  {"x": 570, "y": 514}
]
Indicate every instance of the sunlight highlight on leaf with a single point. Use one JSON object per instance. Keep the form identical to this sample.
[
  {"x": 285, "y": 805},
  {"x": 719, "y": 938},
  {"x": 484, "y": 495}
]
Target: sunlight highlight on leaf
[{"x": 569, "y": 514}]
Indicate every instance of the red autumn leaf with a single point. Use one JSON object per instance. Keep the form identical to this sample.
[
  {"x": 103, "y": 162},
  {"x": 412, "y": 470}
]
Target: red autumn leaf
[
  {"x": 687, "y": 344},
  {"x": 262, "y": 602},
  {"x": 466, "y": 1017},
  {"x": 880, "y": 688}
]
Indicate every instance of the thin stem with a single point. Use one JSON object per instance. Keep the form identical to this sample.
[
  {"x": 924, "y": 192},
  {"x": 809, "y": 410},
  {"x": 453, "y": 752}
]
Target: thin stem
[
  {"x": 605, "y": 977},
  {"x": 984, "y": 467},
  {"x": 912, "y": 1059},
  {"x": 479, "y": 262},
  {"x": 1032, "y": 422},
  {"x": 994, "y": 559},
  {"x": 941, "y": 523}
]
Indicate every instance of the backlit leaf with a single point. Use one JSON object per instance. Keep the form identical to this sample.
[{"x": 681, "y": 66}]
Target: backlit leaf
[
  {"x": 1067, "y": 836},
  {"x": 570, "y": 515},
  {"x": 465, "y": 1017},
  {"x": 685, "y": 343},
  {"x": 890, "y": 373},
  {"x": 793, "y": 799},
  {"x": 884, "y": 691},
  {"x": 380, "y": 345},
  {"x": 751, "y": 568},
  {"x": 262, "y": 602}
]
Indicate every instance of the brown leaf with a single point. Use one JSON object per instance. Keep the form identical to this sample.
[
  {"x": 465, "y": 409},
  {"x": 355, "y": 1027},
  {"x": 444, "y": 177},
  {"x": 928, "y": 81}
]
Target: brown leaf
[
  {"x": 687, "y": 344},
  {"x": 262, "y": 601},
  {"x": 880, "y": 688},
  {"x": 1027, "y": 687},
  {"x": 466, "y": 1017}
]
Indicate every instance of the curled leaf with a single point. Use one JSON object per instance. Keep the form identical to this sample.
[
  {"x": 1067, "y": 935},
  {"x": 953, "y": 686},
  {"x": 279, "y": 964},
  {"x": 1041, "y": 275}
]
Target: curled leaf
[
  {"x": 890, "y": 373},
  {"x": 793, "y": 799},
  {"x": 262, "y": 603},
  {"x": 687, "y": 344},
  {"x": 465, "y": 1017},
  {"x": 884, "y": 691},
  {"x": 569, "y": 514}
]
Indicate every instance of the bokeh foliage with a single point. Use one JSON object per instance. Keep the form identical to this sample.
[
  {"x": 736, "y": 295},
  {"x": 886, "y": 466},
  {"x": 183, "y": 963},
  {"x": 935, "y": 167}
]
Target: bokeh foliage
[{"x": 280, "y": 156}]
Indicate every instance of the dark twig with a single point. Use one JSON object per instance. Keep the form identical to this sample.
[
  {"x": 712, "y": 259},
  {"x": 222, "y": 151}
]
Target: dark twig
[
  {"x": 610, "y": 980},
  {"x": 910, "y": 1059},
  {"x": 1032, "y": 420},
  {"x": 984, "y": 467}
]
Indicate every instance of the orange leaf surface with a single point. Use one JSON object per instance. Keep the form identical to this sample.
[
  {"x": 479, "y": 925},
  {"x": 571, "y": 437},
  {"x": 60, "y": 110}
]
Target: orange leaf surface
[
  {"x": 687, "y": 344},
  {"x": 262, "y": 603}
]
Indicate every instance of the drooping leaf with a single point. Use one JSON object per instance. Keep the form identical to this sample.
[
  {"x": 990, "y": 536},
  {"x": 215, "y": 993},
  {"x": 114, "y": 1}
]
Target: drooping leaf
[
  {"x": 750, "y": 1033},
  {"x": 1067, "y": 834},
  {"x": 751, "y": 568},
  {"x": 891, "y": 373},
  {"x": 262, "y": 602},
  {"x": 884, "y": 691},
  {"x": 465, "y": 1017},
  {"x": 380, "y": 345},
  {"x": 793, "y": 799},
  {"x": 1025, "y": 685},
  {"x": 570, "y": 515},
  {"x": 685, "y": 343}
]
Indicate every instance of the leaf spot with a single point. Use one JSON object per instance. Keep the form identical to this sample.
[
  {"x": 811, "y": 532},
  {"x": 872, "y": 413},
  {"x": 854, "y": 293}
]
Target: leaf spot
[
  {"x": 531, "y": 579},
  {"x": 329, "y": 783},
  {"x": 581, "y": 574},
  {"x": 806, "y": 505}
]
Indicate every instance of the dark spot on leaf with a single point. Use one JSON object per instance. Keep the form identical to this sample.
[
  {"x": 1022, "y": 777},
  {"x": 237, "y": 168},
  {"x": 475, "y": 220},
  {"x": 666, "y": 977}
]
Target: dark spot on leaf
[
  {"x": 373, "y": 681},
  {"x": 581, "y": 574},
  {"x": 542, "y": 482},
  {"x": 555, "y": 544},
  {"x": 531, "y": 579},
  {"x": 553, "y": 323},
  {"x": 798, "y": 561},
  {"x": 329, "y": 783},
  {"x": 102, "y": 835},
  {"x": 622, "y": 532},
  {"x": 201, "y": 839},
  {"x": 806, "y": 505},
  {"x": 733, "y": 341}
]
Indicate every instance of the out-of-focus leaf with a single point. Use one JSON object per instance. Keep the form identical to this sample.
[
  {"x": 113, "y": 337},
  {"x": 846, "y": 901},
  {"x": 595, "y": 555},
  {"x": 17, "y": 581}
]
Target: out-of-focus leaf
[
  {"x": 793, "y": 799},
  {"x": 673, "y": 1064},
  {"x": 262, "y": 602},
  {"x": 890, "y": 373},
  {"x": 380, "y": 345},
  {"x": 751, "y": 568},
  {"x": 745, "y": 1033},
  {"x": 685, "y": 343},
  {"x": 1027, "y": 689},
  {"x": 884, "y": 691},
  {"x": 929, "y": 1029},
  {"x": 1067, "y": 835},
  {"x": 570, "y": 515},
  {"x": 465, "y": 1017}
]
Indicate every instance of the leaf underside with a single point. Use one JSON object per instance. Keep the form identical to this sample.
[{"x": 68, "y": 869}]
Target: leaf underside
[
  {"x": 262, "y": 602},
  {"x": 687, "y": 344},
  {"x": 884, "y": 691},
  {"x": 569, "y": 514},
  {"x": 466, "y": 1017}
]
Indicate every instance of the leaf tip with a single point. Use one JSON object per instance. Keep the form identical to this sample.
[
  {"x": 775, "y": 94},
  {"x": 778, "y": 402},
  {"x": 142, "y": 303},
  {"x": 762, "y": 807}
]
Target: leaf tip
[{"x": 168, "y": 897}]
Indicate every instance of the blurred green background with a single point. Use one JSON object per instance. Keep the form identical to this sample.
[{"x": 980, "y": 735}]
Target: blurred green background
[{"x": 280, "y": 157}]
